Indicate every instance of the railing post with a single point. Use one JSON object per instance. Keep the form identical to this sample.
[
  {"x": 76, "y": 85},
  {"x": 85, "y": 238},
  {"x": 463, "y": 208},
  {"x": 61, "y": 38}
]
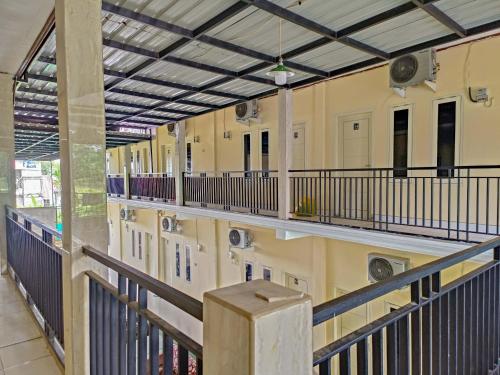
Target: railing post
[
  {"x": 7, "y": 174},
  {"x": 180, "y": 162},
  {"x": 257, "y": 328},
  {"x": 285, "y": 127}
]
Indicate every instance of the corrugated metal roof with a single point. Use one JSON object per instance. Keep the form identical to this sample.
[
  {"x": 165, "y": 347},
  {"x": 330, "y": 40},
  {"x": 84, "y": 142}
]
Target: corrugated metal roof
[
  {"x": 409, "y": 29},
  {"x": 471, "y": 13},
  {"x": 245, "y": 40}
]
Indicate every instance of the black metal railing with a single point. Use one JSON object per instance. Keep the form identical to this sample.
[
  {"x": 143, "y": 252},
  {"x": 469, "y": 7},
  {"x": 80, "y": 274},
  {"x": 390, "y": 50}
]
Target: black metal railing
[
  {"x": 128, "y": 338},
  {"x": 444, "y": 329},
  {"x": 115, "y": 185},
  {"x": 460, "y": 203},
  {"x": 36, "y": 264},
  {"x": 159, "y": 187},
  {"x": 252, "y": 191}
]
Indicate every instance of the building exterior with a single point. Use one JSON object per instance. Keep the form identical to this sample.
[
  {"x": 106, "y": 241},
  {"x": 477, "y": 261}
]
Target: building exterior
[
  {"x": 199, "y": 257},
  {"x": 251, "y": 187}
]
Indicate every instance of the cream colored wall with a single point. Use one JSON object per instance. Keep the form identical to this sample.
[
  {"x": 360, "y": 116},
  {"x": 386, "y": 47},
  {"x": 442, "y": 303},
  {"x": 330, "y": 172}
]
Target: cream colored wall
[{"x": 327, "y": 265}]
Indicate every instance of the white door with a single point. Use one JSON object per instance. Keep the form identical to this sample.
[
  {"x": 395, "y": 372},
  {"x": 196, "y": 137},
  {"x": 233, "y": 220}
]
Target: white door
[
  {"x": 299, "y": 147},
  {"x": 355, "y": 155},
  {"x": 169, "y": 161},
  {"x": 148, "y": 258},
  {"x": 356, "y": 143},
  {"x": 295, "y": 283}
]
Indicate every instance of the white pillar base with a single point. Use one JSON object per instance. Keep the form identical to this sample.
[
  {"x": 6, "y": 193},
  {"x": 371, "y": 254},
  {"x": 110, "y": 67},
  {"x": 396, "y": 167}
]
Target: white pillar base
[{"x": 257, "y": 328}]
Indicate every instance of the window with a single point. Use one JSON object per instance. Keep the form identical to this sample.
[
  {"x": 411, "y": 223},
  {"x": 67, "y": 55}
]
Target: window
[
  {"x": 188, "y": 263},
  {"x": 264, "y": 150},
  {"x": 267, "y": 273},
  {"x": 189, "y": 161},
  {"x": 400, "y": 139},
  {"x": 140, "y": 245},
  {"x": 133, "y": 243},
  {"x": 247, "y": 166},
  {"x": 248, "y": 271},
  {"x": 446, "y": 137},
  {"x": 177, "y": 260}
]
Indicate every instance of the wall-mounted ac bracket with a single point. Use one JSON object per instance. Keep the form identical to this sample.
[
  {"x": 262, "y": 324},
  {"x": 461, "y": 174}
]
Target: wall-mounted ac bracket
[
  {"x": 401, "y": 91},
  {"x": 431, "y": 84}
]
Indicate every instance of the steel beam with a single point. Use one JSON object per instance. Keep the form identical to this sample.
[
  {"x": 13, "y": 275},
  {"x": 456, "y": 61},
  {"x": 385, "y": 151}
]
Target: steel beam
[
  {"x": 313, "y": 26},
  {"x": 441, "y": 17}
]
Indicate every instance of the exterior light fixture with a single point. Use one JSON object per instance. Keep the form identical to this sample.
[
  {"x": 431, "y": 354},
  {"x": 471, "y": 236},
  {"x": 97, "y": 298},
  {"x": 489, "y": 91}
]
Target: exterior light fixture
[{"x": 280, "y": 72}]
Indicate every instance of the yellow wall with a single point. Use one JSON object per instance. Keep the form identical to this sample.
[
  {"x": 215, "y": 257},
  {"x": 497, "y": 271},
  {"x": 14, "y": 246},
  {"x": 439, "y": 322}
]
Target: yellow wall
[{"x": 328, "y": 266}]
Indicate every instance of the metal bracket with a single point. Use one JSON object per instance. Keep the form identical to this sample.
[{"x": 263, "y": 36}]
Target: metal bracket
[
  {"x": 400, "y": 91},
  {"x": 432, "y": 85}
]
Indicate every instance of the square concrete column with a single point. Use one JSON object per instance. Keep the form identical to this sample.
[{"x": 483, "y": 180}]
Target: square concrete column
[
  {"x": 82, "y": 135},
  {"x": 180, "y": 162},
  {"x": 127, "y": 157},
  {"x": 7, "y": 164},
  {"x": 257, "y": 328},
  {"x": 285, "y": 133}
]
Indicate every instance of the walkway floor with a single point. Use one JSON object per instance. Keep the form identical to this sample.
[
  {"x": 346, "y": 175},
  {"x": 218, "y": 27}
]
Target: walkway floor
[{"x": 23, "y": 349}]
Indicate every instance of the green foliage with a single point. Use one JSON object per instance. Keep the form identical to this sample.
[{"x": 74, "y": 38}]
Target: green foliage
[
  {"x": 307, "y": 207},
  {"x": 34, "y": 202}
]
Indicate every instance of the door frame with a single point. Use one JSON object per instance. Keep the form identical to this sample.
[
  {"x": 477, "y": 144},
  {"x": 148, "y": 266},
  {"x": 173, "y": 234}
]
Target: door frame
[{"x": 340, "y": 136}]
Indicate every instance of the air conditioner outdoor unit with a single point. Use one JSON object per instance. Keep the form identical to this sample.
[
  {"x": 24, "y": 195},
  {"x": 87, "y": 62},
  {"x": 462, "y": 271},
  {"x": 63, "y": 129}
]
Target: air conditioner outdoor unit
[
  {"x": 172, "y": 129},
  {"x": 240, "y": 238},
  {"x": 126, "y": 214},
  {"x": 381, "y": 267},
  {"x": 169, "y": 224},
  {"x": 247, "y": 111},
  {"x": 413, "y": 69}
]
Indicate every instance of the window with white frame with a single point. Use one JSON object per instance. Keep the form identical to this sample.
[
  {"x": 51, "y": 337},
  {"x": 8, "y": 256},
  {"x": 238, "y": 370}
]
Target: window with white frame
[
  {"x": 447, "y": 130},
  {"x": 400, "y": 141}
]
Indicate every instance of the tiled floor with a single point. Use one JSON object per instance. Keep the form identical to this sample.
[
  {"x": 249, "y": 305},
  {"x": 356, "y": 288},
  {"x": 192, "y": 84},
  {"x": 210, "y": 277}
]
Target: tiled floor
[{"x": 23, "y": 350}]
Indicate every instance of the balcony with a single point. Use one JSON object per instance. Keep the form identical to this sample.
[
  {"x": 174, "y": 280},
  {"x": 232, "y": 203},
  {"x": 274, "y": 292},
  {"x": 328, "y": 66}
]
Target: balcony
[
  {"x": 129, "y": 333},
  {"x": 455, "y": 203}
]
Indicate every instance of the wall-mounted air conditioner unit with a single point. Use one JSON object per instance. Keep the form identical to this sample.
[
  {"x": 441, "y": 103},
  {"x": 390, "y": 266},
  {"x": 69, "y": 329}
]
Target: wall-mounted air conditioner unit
[
  {"x": 169, "y": 224},
  {"x": 240, "y": 238},
  {"x": 413, "y": 69},
  {"x": 127, "y": 214},
  {"x": 382, "y": 267},
  {"x": 247, "y": 111},
  {"x": 172, "y": 129}
]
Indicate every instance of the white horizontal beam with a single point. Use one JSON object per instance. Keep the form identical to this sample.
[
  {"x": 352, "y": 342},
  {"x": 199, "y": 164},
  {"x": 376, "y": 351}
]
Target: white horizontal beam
[{"x": 401, "y": 242}]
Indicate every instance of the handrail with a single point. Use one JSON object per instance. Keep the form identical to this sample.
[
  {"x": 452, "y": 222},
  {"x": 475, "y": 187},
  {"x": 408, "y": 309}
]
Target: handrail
[
  {"x": 158, "y": 321},
  {"x": 184, "y": 302},
  {"x": 33, "y": 220},
  {"x": 160, "y": 174},
  {"x": 340, "y": 305},
  {"x": 436, "y": 168},
  {"x": 222, "y": 172}
]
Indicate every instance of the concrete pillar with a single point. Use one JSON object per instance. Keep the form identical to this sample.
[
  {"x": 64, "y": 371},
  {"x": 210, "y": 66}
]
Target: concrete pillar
[
  {"x": 127, "y": 165},
  {"x": 257, "y": 328},
  {"x": 7, "y": 164},
  {"x": 180, "y": 162},
  {"x": 285, "y": 132},
  {"x": 83, "y": 158}
]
